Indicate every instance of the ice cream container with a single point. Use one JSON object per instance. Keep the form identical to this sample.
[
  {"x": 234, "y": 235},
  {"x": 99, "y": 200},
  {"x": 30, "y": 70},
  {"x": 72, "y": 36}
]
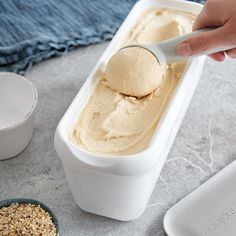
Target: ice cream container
[
  {"x": 210, "y": 210},
  {"x": 18, "y": 99},
  {"x": 119, "y": 187}
]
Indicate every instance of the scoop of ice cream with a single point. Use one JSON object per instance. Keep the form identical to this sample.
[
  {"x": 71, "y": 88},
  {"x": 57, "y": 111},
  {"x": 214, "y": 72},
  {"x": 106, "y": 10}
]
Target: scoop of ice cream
[{"x": 134, "y": 71}]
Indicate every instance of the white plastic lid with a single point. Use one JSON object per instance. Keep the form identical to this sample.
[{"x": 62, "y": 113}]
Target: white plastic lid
[{"x": 210, "y": 210}]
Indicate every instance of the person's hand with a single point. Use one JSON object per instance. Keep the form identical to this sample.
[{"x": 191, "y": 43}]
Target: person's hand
[{"x": 217, "y": 13}]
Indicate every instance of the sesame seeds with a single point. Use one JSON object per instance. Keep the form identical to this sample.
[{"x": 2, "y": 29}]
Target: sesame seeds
[{"x": 25, "y": 220}]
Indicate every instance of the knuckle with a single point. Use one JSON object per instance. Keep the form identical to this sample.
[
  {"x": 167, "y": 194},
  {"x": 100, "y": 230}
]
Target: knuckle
[
  {"x": 210, "y": 2},
  {"x": 231, "y": 53},
  {"x": 232, "y": 39},
  {"x": 203, "y": 42},
  {"x": 229, "y": 33}
]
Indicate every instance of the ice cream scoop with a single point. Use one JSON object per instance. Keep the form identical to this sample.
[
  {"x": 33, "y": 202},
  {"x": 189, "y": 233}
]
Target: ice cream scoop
[
  {"x": 165, "y": 51},
  {"x": 137, "y": 69}
]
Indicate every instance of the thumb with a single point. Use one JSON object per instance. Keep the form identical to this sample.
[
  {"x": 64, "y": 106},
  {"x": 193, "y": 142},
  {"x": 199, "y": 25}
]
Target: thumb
[{"x": 202, "y": 42}]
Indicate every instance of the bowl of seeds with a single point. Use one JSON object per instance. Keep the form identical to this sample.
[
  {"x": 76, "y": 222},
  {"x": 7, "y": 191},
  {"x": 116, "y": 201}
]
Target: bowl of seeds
[{"x": 26, "y": 217}]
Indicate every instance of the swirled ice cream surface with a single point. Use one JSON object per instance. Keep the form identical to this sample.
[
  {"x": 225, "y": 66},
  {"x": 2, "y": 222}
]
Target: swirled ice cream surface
[{"x": 114, "y": 124}]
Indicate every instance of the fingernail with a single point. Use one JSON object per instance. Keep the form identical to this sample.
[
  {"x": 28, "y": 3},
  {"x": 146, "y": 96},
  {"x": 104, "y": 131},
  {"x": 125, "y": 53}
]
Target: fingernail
[{"x": 184, "y": 49}]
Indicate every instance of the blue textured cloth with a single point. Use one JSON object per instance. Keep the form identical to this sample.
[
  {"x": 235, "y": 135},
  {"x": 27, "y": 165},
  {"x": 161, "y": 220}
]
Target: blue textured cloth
[{"x": 31, "y": 31}]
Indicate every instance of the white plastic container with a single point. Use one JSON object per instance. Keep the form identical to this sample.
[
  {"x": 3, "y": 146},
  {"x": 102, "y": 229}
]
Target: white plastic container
[
  {"x": 18, "y": 99},
  {"x": 120, "y": 187}
]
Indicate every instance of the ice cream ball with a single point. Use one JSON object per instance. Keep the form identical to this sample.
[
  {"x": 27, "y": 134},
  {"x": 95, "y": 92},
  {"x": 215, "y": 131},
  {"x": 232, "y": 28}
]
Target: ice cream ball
[{"x": 134, "y": 71}]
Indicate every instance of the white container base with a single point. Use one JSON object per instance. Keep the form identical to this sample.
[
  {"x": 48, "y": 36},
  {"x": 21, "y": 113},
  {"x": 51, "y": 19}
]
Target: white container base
[{"x": 117, "y": 197}]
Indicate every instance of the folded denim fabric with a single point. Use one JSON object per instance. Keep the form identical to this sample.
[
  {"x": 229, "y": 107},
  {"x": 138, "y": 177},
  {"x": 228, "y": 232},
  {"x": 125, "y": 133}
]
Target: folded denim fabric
[{"x": 31, "y": 31}]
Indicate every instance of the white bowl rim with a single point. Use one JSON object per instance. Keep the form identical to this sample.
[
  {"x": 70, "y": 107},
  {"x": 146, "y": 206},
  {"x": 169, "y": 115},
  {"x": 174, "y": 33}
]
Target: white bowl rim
[{"x": 32, "y": 108}]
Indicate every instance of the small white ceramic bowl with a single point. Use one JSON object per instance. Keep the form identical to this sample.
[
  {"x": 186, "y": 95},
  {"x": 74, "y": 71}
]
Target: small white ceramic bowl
[{"x": 18, "y": 99}]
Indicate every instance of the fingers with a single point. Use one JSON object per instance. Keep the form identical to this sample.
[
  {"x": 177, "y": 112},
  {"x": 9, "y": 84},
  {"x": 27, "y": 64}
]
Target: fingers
[
  {"x": 201, "y": 21},
  {"x": 219, "y": 56},
  {"x": 231, "y": 53},
  {"x": 202, "y": 42},
  {"x": 212, "y": 14},
  {"x": 215, "y": 13}
]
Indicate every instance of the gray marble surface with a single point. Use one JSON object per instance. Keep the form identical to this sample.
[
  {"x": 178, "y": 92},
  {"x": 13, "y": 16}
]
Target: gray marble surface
[{"x": 205, "y": 144}]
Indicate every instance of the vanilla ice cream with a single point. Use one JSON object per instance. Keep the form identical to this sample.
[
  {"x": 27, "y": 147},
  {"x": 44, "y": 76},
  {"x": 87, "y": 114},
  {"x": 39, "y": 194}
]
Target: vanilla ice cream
[
  {"x": 113, "y": 123},
  {"x": 134, "y": 71}
]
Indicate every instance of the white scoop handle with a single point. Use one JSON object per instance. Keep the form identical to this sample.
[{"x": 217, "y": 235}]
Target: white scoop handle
[{"x": 165, "y": 51}]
